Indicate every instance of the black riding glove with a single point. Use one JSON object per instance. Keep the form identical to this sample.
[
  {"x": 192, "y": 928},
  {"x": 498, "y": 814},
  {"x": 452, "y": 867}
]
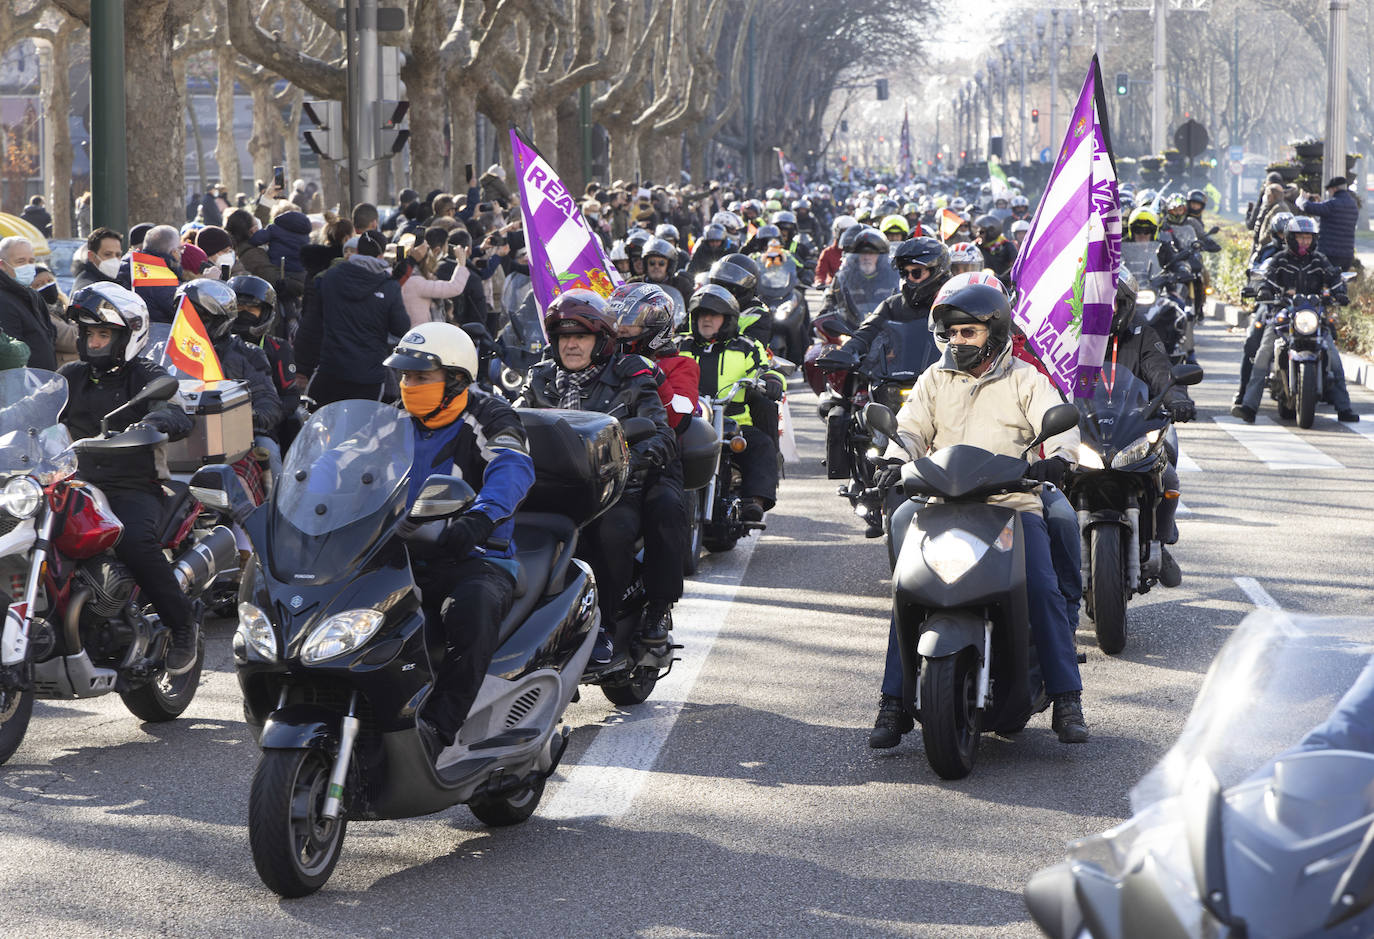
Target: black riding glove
[
  {"x": 773, "y": 386},
  {"x": 466, "y": 533},
  {"x": 838, "y": 359},
  {"x": 1052, "y": 470},
  {"x": 885, "y": 477},
  {"x": 1183, "y": 410}
]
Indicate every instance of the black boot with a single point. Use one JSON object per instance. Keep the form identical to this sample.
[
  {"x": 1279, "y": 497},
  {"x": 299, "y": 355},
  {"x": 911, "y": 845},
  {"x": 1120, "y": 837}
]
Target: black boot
[
  {"x": 751, "y": 510},
  {"x": 892, "y": 722},
  {"x": 1068, "y": 720},
  {"x": 181, "y": 653},
  {"x": 656, "y": 624},
  {"x": 1169, "y": 573}
]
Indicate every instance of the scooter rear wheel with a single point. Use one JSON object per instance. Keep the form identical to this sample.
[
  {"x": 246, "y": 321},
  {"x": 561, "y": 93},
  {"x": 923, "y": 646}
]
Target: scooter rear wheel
[
  {"x": 695, "y": 520},
  {"x": 294, "y": 847},
  {"x": 635, "y": 690},
  {"x": 950, "y": 718},
  {"x": 512, "y": 808},
  {"x": 16, "y": 707},
  {"x": 166, "y": 697}
]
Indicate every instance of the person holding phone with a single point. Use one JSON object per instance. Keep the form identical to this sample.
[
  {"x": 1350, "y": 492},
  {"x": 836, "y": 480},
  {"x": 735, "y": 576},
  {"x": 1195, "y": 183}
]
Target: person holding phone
[{"x": 420, "y": 291}]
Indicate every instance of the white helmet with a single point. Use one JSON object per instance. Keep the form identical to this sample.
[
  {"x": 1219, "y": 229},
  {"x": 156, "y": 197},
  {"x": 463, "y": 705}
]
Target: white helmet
[
  {"x": 1020, "y": 225},
  {"x": 108, "y": 304},
  {"x": 841, "y": 223},
  {"x": 436, "y": 345},
  {"x": 618, "y": 252},
  {"x": 966, "y": 252}
]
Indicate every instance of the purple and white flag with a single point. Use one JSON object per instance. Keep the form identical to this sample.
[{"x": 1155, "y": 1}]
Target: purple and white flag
[
  {"x": 564, "y": 252},
  {"x": 1066, "y": 270}
]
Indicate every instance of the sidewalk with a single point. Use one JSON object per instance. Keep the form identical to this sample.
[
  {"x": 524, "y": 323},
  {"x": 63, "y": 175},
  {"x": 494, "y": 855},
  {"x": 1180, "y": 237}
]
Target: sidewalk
[{"x": 1358, "y": 369}]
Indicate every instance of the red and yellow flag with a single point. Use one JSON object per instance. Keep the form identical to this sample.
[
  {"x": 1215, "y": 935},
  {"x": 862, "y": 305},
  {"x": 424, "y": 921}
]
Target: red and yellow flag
[
  {"x": 149, "y": 270},
  {"x": 189, "y": 346},
  {"x": 949, "y": 223}
]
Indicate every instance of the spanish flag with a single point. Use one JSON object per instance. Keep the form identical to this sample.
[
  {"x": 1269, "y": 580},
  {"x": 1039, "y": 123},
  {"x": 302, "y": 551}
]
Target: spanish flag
[
  {"x": 949, "y": 223},
  {"x": 189, "y": 346},
  {"x": 149, "y": 270}
]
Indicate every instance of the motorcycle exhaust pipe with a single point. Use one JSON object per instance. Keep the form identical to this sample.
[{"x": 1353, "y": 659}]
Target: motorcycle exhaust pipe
[{"x": 198, "y": 566}]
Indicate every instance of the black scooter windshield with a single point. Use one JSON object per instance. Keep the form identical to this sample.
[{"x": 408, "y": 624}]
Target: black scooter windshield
[
  {"x": 777, "y": 281},
  {"x": 963, "y": 472},
  {"x": 1114, "y": 417},
  {"x": 345, "y": 481}
]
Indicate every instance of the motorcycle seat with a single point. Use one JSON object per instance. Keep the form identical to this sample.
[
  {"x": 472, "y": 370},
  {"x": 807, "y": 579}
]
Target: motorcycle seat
[{"x": 536, "y": 551}]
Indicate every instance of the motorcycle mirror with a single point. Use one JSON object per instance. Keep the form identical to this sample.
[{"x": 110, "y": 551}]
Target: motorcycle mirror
[
  {"x": 1186, "y": 374},
  {"x": 1052, "y": 901},
  {"x": 1348, "y": 276},
  {"x": 1058, "y": 419},
  {"x": 160, "y": 388},
  {"x": 786, "y": 366},
  {"x": 442, "y": 497},
  {"x": 1214, "y": 229},
  {"x": 638, "y": 429},
  {"x": 218, "y": 487},
  {"x": 879, "y": 417}
]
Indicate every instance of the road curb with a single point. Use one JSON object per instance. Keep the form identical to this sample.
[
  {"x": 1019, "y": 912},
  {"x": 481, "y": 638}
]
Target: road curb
[{"x": 1358, "y": 369}]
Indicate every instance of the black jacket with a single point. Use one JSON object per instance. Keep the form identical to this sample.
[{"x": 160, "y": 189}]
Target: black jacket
[
  {"x": 626, "y": 387},
  {"x": 90, "y": 398},
  {"x": 243, "y": 362},
  {"x": 1311, "y": 273},
  {"x": 1142, "y": 351},
  {"x": 24, "y": 316},
  {"x": 470, "y": 306},
  {"x": 90, "y": 274},
  {"x": 346, "y": 329},
  {"x": 894, "y": 309}
]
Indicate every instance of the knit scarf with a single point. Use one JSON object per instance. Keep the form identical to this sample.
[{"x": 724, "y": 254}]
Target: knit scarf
[{"x": 571, "y": 386}]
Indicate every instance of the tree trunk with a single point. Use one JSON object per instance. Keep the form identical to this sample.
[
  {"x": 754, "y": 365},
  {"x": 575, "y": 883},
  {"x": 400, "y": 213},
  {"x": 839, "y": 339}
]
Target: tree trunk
[
  {"x": 266, "y": 127},
  {"x": 624, "y": 155},
  {"x": 569, "y": 154},
  {"x": 544, "y": 125},
  {"x": 155, "y": 126},
  {"x": 56, "y": 106},
  {"x": 199, "y": 142},
  {"x": 291, "y": 126},
  {"x": 422, "y": 74},
  {"x": 462, "y": 107},
  {"x": 226, "y": 146}
]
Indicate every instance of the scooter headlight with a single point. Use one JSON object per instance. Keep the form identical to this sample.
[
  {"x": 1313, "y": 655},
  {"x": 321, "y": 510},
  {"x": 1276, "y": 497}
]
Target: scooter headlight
[
  {"x": 1088, "y": 458},
  {"x": 255, "y": 633},
  {"x": 1132, "y": 454},
  {"x": 21, "y": 497},
  {"x": 784, "y": 310},
  {"x": 953, "y": 553},
  {"x": 1305, "y": 322},
  {"x": 340, "y": 633}
]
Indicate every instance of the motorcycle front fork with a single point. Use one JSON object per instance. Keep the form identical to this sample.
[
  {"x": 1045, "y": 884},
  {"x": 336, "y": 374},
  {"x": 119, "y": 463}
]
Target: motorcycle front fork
[{"x": 14, "y": 641}]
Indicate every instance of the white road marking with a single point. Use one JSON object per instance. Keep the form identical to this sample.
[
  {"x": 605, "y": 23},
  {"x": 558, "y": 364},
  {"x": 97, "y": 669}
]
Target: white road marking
[
  {"x": 1275, "y": 446},
  {"x": 1182, "y": 510},
  {"x": 1261, "y": 599},
  {"x": 1365, "y": 428},
  {"x": 616, "y": 765},
  {"x": 1187, "y": 464}
]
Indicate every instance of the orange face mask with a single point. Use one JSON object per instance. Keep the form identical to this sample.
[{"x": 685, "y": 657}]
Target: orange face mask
[{"x": 423, "y": 402}]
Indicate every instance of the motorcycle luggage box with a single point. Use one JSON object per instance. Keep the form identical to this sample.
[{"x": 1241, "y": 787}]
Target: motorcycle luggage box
[
  {"x": 580, "y": 459},
  {"x": 223, "y": 433},
  {"x": 700, "y": 454}
]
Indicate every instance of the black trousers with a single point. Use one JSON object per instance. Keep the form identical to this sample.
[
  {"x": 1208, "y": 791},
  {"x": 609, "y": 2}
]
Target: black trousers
[
  {"x": 468, "y": 598},
  {"x": 1252, "y": 344},
  {"x": 608, "y": 545},
  {"x": 326, "y": 389},
  {"x": 665, "y": 539},
  {"x": 140, "y": 550},
  {"x": 758, "y": 464}
]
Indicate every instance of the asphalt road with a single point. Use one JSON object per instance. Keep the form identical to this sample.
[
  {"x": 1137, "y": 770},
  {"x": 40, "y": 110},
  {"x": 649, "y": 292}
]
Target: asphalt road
[{"x": 742, "y": 800}]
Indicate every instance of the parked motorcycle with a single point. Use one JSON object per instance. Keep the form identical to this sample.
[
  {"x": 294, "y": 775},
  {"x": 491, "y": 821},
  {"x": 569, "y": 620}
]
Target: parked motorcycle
[
  {"x": 1297, "y": 372},
  {"x": 959, "y": 594},
  {"x": 334, "y": 655},
  {"x": 1116, "y": 488},
  {"x": 77, "y": 625},
  {"x": 779, "y": 288},
  {"x": 1257, "y": 822}
]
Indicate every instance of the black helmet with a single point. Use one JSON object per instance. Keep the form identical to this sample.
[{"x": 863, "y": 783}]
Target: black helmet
[
  {"x": 930, "y": 253},
  {"x": 648, "y": 307},
  {"x": 581, "y": 311},
  {"x": 766, "y": 232},
  {"x": 215, "y": 303},
  {"x": 660, "y": 248},
  {"x": 253, "y": 291},
  {"x": 668, "y": 233},
  {"x": 1197, "y": 195},
  {"x": 117, "y": 308},
  {"x": 990, "y": 224},
  {"x": 714, "y": 298},
  {"x": 737, "y": 273},
  {"x": 868, "y": 240},
  {"x": 635, "y": 239},
  {"x": 1301, "y": 224},
  {"x": 976, "y": 303},
  {"x": 1123, "y": 313},
  {"x": 1278, "y": 225}
]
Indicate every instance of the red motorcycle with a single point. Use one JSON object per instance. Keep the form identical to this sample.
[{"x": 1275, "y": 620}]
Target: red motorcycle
[{"x": 76, "y": 625}]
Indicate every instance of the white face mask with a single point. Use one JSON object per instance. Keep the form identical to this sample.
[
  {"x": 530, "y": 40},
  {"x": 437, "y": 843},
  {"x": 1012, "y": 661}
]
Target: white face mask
[
  {"x": 109, "y": 267},
  {"x": 226, "y": 259}
]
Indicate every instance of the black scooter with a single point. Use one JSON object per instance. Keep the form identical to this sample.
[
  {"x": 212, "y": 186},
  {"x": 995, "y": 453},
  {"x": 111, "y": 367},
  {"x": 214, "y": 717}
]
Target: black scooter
[
  {"x": 334, "y": 656},
  {"x": 959, "y": 594}
]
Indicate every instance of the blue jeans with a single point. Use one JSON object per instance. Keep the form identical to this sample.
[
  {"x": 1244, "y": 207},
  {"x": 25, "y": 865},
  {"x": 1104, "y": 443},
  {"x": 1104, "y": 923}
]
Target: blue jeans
[
  {"x": 1066, "y": 549},
  {"x": 1049, "y": 625}
]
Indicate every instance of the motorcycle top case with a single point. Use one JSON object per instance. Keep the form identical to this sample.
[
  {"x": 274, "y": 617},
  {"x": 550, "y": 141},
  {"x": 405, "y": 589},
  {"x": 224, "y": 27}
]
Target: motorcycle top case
[
  {"x": 223, "y": 431},
  {"x": 581, "y": 462},
  {"x": 700, "y": 451}
]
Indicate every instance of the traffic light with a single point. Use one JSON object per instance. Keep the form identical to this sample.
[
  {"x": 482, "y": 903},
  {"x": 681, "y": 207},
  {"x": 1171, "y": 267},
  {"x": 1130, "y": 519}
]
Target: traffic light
[
  {"x": 963, "y": 154},
  {"x": 1035, "y": 115},
  {"x": 394, "y": 134},
  {"x": 326, "y": 138},
  {"x": 881, "y": 85},
  {"x": 1123, "y": 83}
]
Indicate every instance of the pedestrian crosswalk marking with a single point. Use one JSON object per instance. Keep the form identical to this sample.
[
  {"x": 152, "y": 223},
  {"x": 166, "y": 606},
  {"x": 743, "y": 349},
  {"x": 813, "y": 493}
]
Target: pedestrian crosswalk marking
[
  {"x": 1187, "y": 464},
  {"x": 1275, "y": 446}
]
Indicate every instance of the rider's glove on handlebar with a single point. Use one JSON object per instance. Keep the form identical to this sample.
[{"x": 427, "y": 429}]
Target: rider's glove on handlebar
[
  {"x": 773, "y": 386},
  {"x": 1183, "y": 410},
  {"x": 466, "y": 533},
  {"x": 1052, "y": 470},
  {"x": 885, "y": 477}
]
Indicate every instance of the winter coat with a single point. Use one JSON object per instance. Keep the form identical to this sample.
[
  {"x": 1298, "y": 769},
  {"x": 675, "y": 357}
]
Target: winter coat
[
  {"x": 679, "y": 389},
  {"x": 90, "y": 398},
  {"x": 347, "y": 330},
  {"x": 494, "y": 189},
  {"x": 894, "y": 309},
  {"x": 161, "y": 301},
  {"x": 1001, "y": 412},
  {"x": 24, "y": 316},
  {"x": 39, "y": 218},
  {"x": 249, "y": 364},
  {"x": 722, "y": 363},
  {"x": 284, "y": 239},
  {"x": 1339, "y": 214},
  {"x": 1142, "y": 351},
  {"x": 89, "y": 274},
  {"x": 1311, "y": 273},
  {"x": 253, "y": 259},
  {"x": 418, "y": 293}
]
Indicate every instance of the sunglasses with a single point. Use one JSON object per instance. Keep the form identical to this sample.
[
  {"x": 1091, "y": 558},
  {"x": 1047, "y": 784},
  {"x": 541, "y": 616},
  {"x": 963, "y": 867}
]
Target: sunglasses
[
  {"x": 964, "y": 332},
  {"x": 915, "y": 273},
  {"x": 656, "y": 262}
]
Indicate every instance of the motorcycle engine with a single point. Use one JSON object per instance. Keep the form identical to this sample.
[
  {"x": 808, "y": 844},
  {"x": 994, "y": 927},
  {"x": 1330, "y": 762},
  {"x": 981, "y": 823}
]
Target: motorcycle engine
[{"x": 110, "y": 584}]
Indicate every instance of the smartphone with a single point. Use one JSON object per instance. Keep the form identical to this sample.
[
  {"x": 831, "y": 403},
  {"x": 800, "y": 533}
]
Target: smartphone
[
  {"x": 279, "y": 177},
  {"x": 497, "y": 239},
  {"x": 484, "y": 207},
  {"x": 467, "y": 167}
]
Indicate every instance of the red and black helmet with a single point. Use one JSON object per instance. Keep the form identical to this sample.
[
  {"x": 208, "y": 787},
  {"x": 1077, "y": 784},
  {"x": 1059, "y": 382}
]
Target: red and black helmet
[{"x": 581, "y": 311}]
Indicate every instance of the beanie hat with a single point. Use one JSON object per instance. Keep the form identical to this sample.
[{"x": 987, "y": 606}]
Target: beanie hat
[
  {"x": 371, "y": 244},
  {"x": 212, "y": 240},
  {"x": 137, "y": 233},
  {"x": 193, "y": 259}
]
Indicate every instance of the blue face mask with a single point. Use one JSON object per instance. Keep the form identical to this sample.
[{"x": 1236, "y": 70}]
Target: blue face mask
[{"x": 25, "y": 273}]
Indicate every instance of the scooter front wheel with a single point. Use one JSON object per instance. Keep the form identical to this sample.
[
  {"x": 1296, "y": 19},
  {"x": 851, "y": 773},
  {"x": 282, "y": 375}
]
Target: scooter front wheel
[
  {"x": 294, "y": 846},
  {"x": 950, "y": 717},
  {"x": 16, "y": 707}
]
